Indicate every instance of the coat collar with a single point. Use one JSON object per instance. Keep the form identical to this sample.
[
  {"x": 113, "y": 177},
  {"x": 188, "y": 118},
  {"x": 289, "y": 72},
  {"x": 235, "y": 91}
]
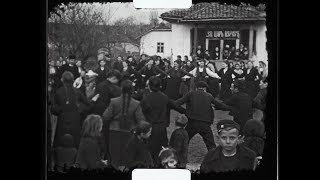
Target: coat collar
[{"x": 240, "y": 150}]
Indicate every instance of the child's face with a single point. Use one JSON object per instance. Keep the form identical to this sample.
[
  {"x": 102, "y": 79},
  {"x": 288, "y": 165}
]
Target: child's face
[
  {"x": 102, "y": 63},
  {"x": 229, "y": 139},
  {"x": 172, "y": 163}
]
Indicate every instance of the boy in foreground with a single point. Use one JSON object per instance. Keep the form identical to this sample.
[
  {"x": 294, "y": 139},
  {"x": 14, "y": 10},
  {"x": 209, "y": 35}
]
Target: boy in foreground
[{"x": 230, "y": 155}]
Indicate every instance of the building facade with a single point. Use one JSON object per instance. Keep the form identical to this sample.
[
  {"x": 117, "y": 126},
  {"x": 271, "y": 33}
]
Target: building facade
[
  {"x": 157, "y": 41},
  {"x": 210, "y": 25}
]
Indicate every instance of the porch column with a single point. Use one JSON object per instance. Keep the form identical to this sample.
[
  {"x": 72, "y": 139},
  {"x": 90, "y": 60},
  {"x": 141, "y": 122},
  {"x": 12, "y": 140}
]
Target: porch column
[
  {"x": 237, "y": 43},
  {"x": 221, "y": 48},
  {"x": 195, "y": 38},
  {"x": 250, "y": 42},
  {"x": 207, "y": 44}
]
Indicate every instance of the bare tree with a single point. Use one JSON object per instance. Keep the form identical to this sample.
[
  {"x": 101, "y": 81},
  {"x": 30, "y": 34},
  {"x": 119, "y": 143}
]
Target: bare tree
[{"x": 74, "y": 29}]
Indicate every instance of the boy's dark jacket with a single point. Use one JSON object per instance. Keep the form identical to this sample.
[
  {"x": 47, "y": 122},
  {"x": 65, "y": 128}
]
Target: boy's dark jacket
[
  {"x": 137, "y": 152},
  {"x": 212, "y": 161}
]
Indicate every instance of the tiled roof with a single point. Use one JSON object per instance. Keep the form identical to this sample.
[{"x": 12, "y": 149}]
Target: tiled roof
[{"x": 211, "y": 11}]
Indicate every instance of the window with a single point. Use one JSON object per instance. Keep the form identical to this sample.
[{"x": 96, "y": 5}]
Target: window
[{"x": 160, "y": 47}]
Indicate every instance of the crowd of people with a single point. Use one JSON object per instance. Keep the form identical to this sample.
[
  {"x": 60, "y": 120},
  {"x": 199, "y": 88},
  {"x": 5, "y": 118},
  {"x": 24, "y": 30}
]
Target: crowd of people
[
  {"x": 117, "y": 114},
  {"x": 228, "y": 53}
]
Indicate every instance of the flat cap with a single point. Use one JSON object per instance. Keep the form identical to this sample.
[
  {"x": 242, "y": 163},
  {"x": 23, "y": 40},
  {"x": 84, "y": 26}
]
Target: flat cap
[{"x": 224, "y": 124}]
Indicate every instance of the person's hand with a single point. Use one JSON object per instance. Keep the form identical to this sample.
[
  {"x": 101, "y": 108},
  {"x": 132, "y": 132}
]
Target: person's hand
[
  {"x": 131, "y": 75},
  {"x": 158, "y": 75},
  {"x": 105, "y": 162},
  {"x": 168, "y": 76},
  {"x": 206, "y": 76},
  {"x": 143, "y": 75},
  {"x": 95, "y": 97}
]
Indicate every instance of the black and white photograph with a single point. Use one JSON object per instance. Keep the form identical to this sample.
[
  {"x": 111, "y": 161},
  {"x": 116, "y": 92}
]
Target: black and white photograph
[{"x": 162, "y": 88}]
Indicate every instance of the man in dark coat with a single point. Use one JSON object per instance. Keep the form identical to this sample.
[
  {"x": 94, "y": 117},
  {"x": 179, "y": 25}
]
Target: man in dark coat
[
  {"x": 107, "y": 89},
  {"x": 141, "y": 62},
  {"x": 109, "y": 62},
  {"x": 225, "y": 74},
  {"x": 252, "y": 78},
  {"x": 230, "y": 156},
  {"x": 200, "y": 113},
  {"x": 259, "y": 101},
  {"x": 102, "y": 71},
  {"x": 118, "y": 64},
  {"x": 241, "y": 103},
  {"x": 69, "y": 67},
  {"x": 156, "y": 108}
]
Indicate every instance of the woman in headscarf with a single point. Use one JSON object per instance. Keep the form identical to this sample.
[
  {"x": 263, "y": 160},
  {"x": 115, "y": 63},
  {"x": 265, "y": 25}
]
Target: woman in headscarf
[{"x": 123, "y": 114}]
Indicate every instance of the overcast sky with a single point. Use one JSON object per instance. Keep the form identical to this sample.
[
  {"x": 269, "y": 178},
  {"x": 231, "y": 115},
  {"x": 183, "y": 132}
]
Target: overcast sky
[{"x": 123, "y": 10}]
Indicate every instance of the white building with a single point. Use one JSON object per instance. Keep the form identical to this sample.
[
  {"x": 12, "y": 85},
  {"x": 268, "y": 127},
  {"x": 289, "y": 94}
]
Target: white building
[
  {"x": 209, "y": 25},
  {"x": 157, "y": 41}
]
